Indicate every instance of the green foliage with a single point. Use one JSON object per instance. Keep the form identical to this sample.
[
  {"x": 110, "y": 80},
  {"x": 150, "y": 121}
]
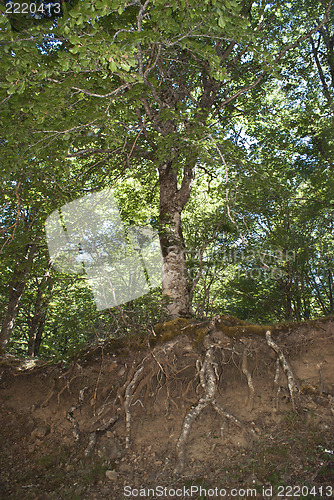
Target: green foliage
[{"x": 105, "y": 92}]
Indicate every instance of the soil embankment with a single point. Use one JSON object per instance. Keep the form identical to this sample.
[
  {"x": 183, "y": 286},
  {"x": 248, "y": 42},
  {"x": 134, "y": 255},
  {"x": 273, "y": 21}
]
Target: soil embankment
[{"x": 228, "y": 413}]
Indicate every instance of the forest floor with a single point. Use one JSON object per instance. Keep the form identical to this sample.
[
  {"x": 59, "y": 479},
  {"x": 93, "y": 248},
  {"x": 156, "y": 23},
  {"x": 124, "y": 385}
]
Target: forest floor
[{"x": 212, "y": 416}]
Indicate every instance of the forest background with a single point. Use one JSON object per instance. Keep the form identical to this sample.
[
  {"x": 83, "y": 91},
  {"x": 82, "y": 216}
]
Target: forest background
[{"x": 211, "y": 121}]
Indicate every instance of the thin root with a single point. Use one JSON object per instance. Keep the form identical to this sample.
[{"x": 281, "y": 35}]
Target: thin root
[
  {"x": 99, "y": 430},
  {"x": 70, "y": 416}
]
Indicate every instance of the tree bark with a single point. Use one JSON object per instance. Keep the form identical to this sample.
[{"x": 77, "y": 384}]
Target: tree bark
[
  {"x": 175, "y": 290},
  {"x": 16, "y": 289},
  {"x": 287, "y": 297},
  {"x": 40, "y": 310},
  {"x": 330, "y": 288},
  {"x": 39, "y": 332}
]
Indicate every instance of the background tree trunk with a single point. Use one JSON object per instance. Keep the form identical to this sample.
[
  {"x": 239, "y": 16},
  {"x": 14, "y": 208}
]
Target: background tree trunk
[
  {"x": 40, "y": 310},
  {"x": 16, "y": 289},
  {"x": 330, "y": 289}
]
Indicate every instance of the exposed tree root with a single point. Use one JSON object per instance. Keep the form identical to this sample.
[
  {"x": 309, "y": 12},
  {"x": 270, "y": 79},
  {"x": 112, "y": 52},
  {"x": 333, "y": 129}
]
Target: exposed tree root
[
  {"x": 292, "y": 384},
  {"x": 163, "y": 368},
  {"x": 70, "y": 416},
  {"x": 331, "y": 403},
  {"x": 93, "y": 402},
  {"x": 244, "y": 369},
  {"x": 67, "y": 385},
  {"x": 93, "y": 436},
  {"x": 227, "y": 415},
  {"x": 208, "y": 378},
  {"x": 122, "y": 389},
  {"x": 50, "y": 394},
  {"x": 276, "y": 383},
  {"x": 127, "y": 404},
  {"x": 209, "y": 383}
]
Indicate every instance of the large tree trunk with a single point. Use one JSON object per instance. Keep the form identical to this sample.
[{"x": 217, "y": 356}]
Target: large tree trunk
[
  {"x": 175, "y": 291},
  {"x": 16, "y": 289}
]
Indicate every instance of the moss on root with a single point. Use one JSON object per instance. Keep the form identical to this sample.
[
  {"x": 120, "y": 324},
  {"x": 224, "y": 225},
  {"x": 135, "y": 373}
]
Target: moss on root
[
  {"x": 236, "y": 332},
  {"x": 229, "y": 325},
  {"x": 170, "y": 329}
]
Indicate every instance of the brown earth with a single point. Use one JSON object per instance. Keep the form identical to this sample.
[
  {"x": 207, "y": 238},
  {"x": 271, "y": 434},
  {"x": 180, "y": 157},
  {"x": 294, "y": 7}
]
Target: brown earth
[{"x": 257, "y": 446}]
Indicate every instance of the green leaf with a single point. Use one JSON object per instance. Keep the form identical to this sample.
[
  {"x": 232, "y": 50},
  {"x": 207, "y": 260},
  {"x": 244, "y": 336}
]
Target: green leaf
[
  {"x": 112, "y": 66},
  {"x": 11, "y": 90},
  {"x": 15, "y": 76},
  {"x": 65, "y": 64},
  {"x": 221, "y": 22},
  {"x": 21, "y": 87},
  {"x": 75, "y": 13},
  {"x": 74, "y": 39}
]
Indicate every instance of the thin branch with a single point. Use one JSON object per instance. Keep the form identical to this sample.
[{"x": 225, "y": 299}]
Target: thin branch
[
  {"x": 89, "y": 152},
  {"x": 188, "y": 35},
  {"x": 134, "y": 143},
  {"x": 139, "y": 24},
  {"x": 18, "y": 213},
  {"x": 6, "y": 99},
  {"x": 304, "y": 37},
  {"x": 102, "y": 96},
  {"x": 321, "y": 74},
  {"x": 226, "y": 178},
  {"x": 59, "y": 132},
  {"x": 147, "y": 71}
]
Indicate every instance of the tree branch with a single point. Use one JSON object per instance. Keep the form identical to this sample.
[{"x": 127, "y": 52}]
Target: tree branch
[
  {"x": 102, "y": 96},
  {"x": 288, "y": 47},
  {"x": 321, "y": 74}
]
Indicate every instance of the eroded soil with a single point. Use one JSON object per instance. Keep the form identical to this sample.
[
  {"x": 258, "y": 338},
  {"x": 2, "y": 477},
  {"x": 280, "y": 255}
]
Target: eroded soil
[{"x": 270, "y": 446}]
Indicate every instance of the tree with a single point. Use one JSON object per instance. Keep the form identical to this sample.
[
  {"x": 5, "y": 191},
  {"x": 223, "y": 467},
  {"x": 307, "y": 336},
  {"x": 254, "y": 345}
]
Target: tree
[
  {"x": 16, "y": 289},
  {"x": 110, "y": 89}
]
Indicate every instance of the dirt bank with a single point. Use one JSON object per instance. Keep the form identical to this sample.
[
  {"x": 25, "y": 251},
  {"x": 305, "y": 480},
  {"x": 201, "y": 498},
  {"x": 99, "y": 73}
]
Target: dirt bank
[{"x": 239, "y": 416}]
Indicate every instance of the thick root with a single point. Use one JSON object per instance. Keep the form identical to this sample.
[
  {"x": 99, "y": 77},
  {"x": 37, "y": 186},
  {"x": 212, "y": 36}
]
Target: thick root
[
  {"x": 245, "y": 371},
  {"x": 209, "y": 383},
  {"x": 292, "y": 384},
  {"x": 127, "y": 404}
]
